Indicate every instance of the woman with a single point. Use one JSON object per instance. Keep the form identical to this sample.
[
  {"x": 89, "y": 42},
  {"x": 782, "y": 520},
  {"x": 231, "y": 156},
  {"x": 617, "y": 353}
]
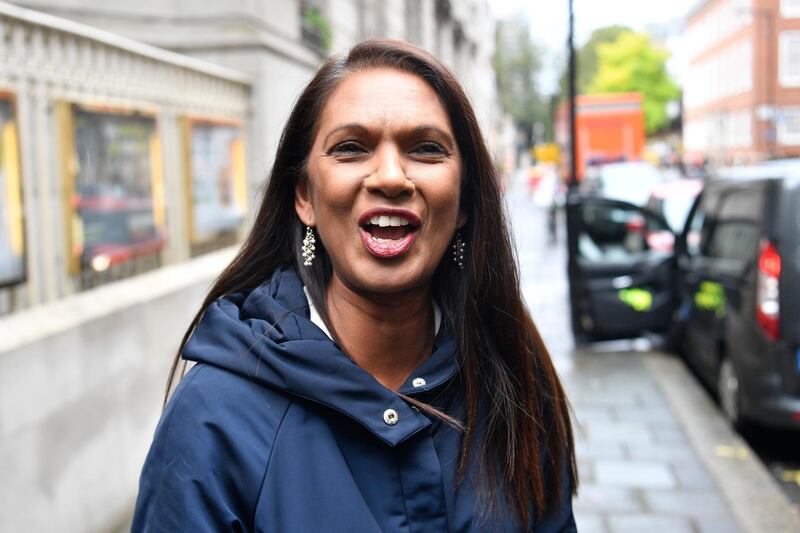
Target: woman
[{"x": 366, "y": 362}]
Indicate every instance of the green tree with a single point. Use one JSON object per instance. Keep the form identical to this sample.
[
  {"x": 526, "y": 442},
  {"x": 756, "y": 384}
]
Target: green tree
[
  {"x": 586, "y": 57},
  {"x": 633, "y": 63},
  {"x": 517, "y": 62}
]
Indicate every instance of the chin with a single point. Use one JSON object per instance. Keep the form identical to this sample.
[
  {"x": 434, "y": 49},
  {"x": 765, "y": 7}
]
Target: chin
[{"x": 388, "y": 279}]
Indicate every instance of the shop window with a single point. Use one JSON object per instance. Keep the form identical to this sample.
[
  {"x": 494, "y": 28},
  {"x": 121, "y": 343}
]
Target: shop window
[
  {"x": 216, "y": 183},
  {"x": 114, "y": 192},
  {"x": 12, "y": 234}
]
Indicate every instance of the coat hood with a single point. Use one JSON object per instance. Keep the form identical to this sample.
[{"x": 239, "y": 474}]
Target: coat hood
[{"x": 265, "y": 335}]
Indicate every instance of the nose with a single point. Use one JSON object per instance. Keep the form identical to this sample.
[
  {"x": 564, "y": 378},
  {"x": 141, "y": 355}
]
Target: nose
[{"x": 389, "y": 176}]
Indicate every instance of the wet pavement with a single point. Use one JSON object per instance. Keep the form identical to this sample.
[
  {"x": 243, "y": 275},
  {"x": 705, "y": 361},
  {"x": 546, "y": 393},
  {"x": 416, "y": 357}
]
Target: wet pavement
[{"x": 653, "y": 452}]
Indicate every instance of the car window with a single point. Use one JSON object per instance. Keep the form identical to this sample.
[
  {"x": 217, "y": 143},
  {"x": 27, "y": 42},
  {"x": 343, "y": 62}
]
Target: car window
[
  {"x": 696, "y": 226},
  {"x": 615, "y": 233},
  {"x": 675, "y": 210},
  {"x": 734, "y": 229},
  {"x": 628, "y": 182}
]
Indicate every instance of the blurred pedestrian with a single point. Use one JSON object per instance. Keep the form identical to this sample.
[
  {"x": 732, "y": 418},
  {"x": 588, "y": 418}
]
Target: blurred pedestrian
[
  {"x": 366, "y": 362},
  {"x": 550, "y": 196}
]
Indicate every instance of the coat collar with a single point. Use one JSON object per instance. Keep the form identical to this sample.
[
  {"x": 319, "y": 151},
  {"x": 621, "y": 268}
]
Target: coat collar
[{"x": 266, "y": 336}]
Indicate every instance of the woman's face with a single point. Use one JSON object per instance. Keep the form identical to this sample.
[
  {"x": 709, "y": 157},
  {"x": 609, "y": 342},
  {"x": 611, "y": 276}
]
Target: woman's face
[{"x": 383, "y": 181}]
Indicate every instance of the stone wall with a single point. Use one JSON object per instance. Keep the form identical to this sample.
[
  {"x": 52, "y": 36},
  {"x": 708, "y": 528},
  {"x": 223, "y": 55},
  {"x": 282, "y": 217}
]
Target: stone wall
[{"x": 81, "y": 384}]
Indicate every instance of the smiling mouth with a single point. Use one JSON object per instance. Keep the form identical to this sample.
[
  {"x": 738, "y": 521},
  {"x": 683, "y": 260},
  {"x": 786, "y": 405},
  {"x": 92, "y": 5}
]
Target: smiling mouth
[
  {"x": 388, "y": 235},
  {"x": 383, "y": 227}
]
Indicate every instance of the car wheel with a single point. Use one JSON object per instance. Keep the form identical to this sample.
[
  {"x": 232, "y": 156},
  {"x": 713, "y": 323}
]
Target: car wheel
[{"x": 728, "y": 390}]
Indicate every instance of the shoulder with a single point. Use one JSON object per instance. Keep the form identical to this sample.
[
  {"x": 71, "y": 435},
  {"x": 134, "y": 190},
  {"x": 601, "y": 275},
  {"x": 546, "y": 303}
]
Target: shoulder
[
  {"x": 212, "y": 403},
  {"x": 212, "y": 397},
  {"x": 209, "y": 453}
]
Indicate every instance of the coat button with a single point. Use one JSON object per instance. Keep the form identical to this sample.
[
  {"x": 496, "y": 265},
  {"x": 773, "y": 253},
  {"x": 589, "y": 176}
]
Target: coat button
[
  {"x": 390, "y": 417},
  {"x": 419, "y": 382}
]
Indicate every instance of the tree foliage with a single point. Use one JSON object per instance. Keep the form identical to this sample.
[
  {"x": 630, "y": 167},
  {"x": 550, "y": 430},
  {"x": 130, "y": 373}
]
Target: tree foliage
[
  {"x": 633, "y": 63},
  {"x": 586, "y": 57},
  {"x": 517, "y": 62}
]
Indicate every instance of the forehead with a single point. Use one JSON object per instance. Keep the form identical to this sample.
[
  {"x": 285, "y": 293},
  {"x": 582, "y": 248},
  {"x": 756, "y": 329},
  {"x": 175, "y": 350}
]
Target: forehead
[{"x": 384, "y": 97}]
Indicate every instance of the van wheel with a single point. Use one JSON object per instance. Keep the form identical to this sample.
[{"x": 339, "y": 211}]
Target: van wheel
[{"x": 728, "y": 391}]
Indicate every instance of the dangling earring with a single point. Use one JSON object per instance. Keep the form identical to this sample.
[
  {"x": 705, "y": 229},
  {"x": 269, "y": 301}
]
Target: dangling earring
[
  {"x": 308, "y": 246},
  {"x": 458, "y": 251}
]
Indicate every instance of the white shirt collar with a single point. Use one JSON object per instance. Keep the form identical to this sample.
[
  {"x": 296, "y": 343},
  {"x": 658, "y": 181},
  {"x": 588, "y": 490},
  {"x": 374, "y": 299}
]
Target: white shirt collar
[{"x": 317, "y": 319}]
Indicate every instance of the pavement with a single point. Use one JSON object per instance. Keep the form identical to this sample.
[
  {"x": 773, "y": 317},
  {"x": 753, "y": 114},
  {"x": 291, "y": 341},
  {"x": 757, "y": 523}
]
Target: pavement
[{"x": 654, "y": 453}]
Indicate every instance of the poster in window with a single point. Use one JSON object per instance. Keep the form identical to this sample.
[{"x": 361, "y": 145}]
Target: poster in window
[
  {"x": 118, "y": 194},
  {"x": 217, "y": 179},
  {"x": 12, "y": 235}
]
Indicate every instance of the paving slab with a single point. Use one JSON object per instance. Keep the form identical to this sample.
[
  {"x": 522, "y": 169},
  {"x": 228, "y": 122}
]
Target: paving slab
[
  {"x": 693, "y": 476},
  {"x": 599, "y": 498},
  {"x": 629, "y": 523},
  {"x": 702, "y": 504},
  {"x": 634, "y": 474},
  {"x": 590, "y": 522},
  {"x": 630, "y": 433},
  {"x": 599, "y": 450},
  {"x": 674, "y": 454}
]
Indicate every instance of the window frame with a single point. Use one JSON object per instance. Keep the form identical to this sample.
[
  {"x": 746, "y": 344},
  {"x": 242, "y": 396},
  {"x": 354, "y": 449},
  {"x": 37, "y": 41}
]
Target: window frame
[
  {"x": 784, "y": 136},
  {"x": 784, "y": 77}
]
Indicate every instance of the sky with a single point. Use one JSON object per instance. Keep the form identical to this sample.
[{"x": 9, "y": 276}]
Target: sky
[{"x": 548, "y": 22}]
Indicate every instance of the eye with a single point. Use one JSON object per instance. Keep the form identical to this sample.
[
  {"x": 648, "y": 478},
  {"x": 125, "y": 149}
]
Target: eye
[
  {"x": 348, "y": 148},
  {"x": 430, "y": 148}
]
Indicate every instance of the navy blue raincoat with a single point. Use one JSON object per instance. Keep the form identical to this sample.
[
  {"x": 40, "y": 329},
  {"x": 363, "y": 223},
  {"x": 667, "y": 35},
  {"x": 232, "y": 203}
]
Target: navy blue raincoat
[{"x": 276, "y": 430}]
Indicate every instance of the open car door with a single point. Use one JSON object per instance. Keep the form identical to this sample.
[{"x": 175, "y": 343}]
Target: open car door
[{"x": 622, "y": 270}]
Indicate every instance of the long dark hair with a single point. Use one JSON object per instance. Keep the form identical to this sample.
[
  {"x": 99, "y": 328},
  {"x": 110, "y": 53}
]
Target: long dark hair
[{"x": 526, "y": 440}]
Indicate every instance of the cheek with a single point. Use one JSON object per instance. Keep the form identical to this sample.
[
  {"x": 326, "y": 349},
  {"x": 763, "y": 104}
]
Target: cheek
[
  {"x": 333, "y": 192},
  {"x": 443, "y": 193}
]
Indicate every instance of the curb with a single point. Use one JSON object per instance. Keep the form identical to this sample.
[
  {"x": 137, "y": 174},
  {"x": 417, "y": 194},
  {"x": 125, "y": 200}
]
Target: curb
[{"x": 754, "y": 497}]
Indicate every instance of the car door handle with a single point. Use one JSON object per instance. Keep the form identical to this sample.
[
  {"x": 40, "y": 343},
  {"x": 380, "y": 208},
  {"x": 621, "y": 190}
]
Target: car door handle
[{"x": 622, "y": 282}]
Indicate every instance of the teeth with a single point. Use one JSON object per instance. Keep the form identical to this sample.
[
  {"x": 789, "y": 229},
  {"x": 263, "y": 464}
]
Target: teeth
[{"x": 384, "y": 221}]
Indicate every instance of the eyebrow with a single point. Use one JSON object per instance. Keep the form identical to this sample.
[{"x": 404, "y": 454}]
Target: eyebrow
[
  {"x": 425, "y": 128},
  {"x": 349, "y": 126}
]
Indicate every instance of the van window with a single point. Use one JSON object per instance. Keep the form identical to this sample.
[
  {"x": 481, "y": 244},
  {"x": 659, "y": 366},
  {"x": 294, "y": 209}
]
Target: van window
[
  {"x": 734, "y": 229},
  {"x": 698, "y": 226}
]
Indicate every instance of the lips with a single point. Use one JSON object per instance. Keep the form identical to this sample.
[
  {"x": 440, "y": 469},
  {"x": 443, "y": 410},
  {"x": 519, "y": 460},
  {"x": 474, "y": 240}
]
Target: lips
[{"x": 388, "y": 232}]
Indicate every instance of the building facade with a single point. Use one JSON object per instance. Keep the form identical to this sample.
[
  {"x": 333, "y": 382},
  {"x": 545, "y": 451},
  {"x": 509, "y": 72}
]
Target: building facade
[
  {"x": 276, "y": 45},
  {"x": 742, "y": 86},
  {"x": 280, "y": 43}
]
